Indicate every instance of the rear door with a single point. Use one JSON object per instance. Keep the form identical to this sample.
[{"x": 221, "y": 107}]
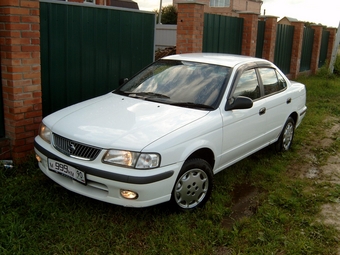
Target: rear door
[{"x": 277, "y": 102}]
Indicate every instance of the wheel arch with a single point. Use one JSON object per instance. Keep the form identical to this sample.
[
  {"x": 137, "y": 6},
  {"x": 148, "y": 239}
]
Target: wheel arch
[
  {"x": 205, "y": 154},
  {"x": 294, "y": 116}
]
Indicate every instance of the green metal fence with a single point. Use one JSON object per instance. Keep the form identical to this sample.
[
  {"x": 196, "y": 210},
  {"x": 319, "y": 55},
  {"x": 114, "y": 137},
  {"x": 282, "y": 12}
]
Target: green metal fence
[
  {"x": 260, "y": 38},
  {"x": 86, "y": 50},
  {"x": 283, "y": 47},
  {"x": 222, "y": 34},
  {"x": 324, "y": 48},
  {"x": 307, "y": 49}
]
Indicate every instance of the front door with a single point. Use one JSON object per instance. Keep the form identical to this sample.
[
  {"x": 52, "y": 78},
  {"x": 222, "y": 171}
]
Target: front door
[{"x": 244, "y": 129}]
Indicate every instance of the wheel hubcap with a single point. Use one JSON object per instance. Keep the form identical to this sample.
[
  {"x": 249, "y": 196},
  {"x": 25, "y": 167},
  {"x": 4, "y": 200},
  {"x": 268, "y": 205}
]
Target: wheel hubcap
[
  {"x": 191, "y": 188},
  {"x": 288, "y": 136}
]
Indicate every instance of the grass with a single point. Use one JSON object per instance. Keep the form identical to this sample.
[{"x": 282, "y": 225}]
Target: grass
[{"x": 39, "y": 217}]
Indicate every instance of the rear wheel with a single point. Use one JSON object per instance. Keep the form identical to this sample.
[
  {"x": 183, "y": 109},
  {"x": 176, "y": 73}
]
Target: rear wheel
[
  {"x": 193, "y": 186},
  {"x": 286, "y": 138}
]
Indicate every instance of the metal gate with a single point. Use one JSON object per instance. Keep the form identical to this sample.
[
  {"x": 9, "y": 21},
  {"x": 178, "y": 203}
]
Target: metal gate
[
  {"x": 222, "y": 34},
  {"x": 86, "y": 50}
]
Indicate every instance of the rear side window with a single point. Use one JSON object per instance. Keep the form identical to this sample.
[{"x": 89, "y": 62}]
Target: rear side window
[{"x": 272, "y": 81}]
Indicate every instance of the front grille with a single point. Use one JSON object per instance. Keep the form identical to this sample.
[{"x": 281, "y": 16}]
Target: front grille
[{"x": 74, "y": 149}]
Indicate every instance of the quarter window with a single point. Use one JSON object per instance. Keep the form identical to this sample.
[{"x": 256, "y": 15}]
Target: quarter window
[
  {"x": 272, "y": 81},
  {"x": 248, "y": 85}
]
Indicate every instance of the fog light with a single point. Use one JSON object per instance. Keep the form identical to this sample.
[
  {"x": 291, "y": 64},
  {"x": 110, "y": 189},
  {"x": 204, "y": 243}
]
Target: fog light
[
  {"x": 38, "y": 158},
  {"x": 128, "y": 194}
]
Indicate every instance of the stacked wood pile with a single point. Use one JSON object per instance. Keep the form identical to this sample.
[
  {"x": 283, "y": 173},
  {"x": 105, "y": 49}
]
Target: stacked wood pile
[{"x": 160, "y": 53}]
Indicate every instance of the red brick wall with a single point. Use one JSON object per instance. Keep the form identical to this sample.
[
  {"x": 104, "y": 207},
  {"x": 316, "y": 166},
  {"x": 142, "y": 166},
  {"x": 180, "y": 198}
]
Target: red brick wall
[
  {"x": 233, "y": 10},
  {"x": 316, "y": 48},
  {"x": 20, "y": 66},
  {"x": 296, "y": 49},
  {"x": 249, "y": 33},
  {"x": 269, "y": 38},
  {"x": 190, "y": 27}
]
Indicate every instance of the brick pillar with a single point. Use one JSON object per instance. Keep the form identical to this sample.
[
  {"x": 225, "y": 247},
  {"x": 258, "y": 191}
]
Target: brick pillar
[
  {"x": 269, "y": 37},
  {"x": 331, "y": 42},
  {"x": 296, "y": 49},
  {"x": 249, "y": 37},
  {"x": 316, "y": 48},
  {"x": 190, "y": 20},
  {"x": 21, "y": 78}
]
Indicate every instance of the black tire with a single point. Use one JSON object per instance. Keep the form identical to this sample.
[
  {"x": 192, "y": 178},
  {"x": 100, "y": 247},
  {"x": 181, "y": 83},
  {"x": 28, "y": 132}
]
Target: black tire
[
  {"x": 193, "y": 186},
  {"x": 286, "y": 138}
]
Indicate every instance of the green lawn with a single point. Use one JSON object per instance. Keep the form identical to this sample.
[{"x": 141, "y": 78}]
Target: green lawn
[{"x": 38, "y": 216}]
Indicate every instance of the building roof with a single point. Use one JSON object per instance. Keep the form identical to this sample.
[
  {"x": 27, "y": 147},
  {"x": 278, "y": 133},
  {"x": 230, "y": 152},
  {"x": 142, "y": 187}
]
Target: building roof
[
  {"x": 289, "y": 19},
  {"x": 124, "y": 4}
]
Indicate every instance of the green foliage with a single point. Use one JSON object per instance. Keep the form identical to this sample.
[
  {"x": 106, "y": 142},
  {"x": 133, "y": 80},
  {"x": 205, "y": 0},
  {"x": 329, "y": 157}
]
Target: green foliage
[
  {"x": 337, "y": 66},
  {"x": 169, "y": 15},
  {"x": 37, "y": 216}
]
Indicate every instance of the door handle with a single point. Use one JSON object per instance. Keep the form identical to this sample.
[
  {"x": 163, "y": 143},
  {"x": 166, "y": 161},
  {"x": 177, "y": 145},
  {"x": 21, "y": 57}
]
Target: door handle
[
  {"x": 262, "y": 111},
  {"x": 289, "y": 100}
]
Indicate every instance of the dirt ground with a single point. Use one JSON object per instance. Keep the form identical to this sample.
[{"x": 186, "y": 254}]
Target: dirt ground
[{"x": 246, "y": 199}]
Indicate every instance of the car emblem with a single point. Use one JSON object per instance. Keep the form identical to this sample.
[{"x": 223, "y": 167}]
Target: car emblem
[{"x": 71, "y": 147}]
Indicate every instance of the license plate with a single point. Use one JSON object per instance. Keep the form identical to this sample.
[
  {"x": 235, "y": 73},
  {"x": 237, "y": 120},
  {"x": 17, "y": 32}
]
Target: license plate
[{"x": 67, "y": 170}]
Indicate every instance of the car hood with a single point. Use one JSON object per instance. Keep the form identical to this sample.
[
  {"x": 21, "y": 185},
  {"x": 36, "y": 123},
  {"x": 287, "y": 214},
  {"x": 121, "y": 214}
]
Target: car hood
[{"x": 119, "y": 122}]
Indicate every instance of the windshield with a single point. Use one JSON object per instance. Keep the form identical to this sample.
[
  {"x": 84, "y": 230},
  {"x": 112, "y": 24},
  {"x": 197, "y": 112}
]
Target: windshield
[{"x": 179, "y": 83}]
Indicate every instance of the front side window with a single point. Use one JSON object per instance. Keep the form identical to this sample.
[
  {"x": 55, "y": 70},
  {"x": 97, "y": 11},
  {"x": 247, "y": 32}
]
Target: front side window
[
  {"x": 272, "y": 81},
  {"x": 219, "y": 3},
  {"x": 248, "y": 85},
  {"x": 178, "y": 83}
]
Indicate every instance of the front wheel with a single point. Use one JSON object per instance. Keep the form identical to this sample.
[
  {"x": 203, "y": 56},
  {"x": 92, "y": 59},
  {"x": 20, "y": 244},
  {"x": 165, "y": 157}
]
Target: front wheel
[
  {"x": 286, "y": 138},
  {"x": 193, "y": 186}
]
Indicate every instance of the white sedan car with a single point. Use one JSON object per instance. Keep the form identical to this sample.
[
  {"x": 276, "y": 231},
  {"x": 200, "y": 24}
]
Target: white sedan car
[{"x": 163, "y": 134}]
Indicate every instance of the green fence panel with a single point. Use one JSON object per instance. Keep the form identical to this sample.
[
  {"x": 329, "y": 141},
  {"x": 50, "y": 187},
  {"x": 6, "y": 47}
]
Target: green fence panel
[
  {"x": 222, "y": 34},
  {"x": 87, "y": 50},
  {"x": 307, "y": 49},
  {"x": 260, "y": 38},
  {"x": 283, "y": 48},
  {"x": 323, "y": 48}
]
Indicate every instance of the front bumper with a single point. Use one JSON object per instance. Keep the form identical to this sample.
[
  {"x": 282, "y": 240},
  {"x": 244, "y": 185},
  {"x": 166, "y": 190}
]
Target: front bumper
[{"x": 104, "y": 182}]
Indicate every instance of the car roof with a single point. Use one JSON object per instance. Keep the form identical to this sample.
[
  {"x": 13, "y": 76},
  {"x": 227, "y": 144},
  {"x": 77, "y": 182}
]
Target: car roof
[{"x": 229, "y": 60}]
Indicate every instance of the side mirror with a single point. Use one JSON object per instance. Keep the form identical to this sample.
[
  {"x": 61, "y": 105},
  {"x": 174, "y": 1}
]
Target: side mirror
[{"x": 239, "y": 103}]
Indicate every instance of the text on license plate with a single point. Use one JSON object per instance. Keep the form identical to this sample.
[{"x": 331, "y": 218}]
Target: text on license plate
[{"x": 67, "y": 170}]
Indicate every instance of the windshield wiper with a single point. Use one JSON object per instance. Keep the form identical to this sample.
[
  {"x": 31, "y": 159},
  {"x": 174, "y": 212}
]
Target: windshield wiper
[
  {"x": 146, "y": 95},
  {"x": 193, "y": 105}
]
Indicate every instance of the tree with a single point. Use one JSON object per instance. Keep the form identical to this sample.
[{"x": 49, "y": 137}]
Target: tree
[{"x": 169, "y": 15}]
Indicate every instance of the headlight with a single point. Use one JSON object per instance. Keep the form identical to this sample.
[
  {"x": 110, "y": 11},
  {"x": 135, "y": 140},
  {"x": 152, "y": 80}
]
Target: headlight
[
  {"x": 132, "y": 159},
  {"x": 45, "y": 133}
]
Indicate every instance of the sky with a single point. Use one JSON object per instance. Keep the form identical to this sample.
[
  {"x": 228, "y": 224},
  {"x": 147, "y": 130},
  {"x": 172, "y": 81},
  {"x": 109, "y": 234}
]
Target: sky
[{"x": 325, "y": 12}]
